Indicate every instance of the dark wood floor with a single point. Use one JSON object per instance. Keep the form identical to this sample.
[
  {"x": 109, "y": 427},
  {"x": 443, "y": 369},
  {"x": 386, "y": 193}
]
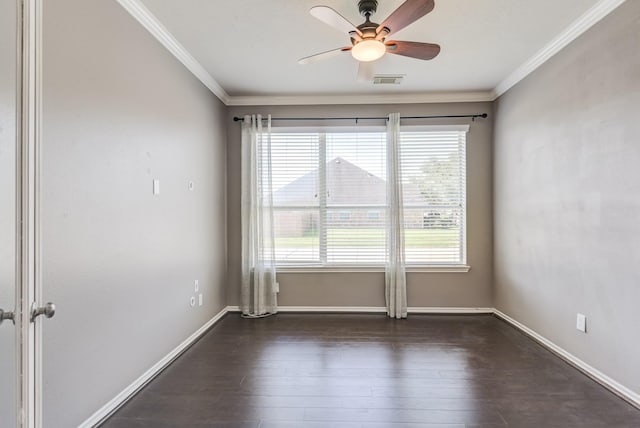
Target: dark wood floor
[{"x": 313, "y": 370}]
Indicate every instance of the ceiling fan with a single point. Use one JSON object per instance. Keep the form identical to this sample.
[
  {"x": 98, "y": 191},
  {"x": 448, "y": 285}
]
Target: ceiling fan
[{"x": 369, "y": 40}]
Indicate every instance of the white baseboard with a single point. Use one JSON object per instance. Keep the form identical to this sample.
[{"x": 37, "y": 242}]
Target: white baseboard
[
  {"x": 374, "y": 309},
  {"x": 614, "y": 386},
  {"x": 115, "y": 403},
  {"x": 451, "y": 311},
  {"x": 340, "y": 309}
]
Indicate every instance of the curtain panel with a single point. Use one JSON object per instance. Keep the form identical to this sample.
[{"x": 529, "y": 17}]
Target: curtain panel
[
  {"x": 259, "y": 288},
  {"x": 395, "y": 275}
]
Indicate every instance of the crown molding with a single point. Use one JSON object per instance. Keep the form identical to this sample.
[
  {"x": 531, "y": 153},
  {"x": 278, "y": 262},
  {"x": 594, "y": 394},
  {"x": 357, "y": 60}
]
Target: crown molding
[
  {"x": 144, "y": 16},
  {"x": 575, "y": 30},
  {"x": 139, "y": 12},
  {"x": 412, "y": 98}
]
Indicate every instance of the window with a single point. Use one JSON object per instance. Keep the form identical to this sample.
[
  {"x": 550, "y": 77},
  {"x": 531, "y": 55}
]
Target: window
[
  {"x": 434, "y": 195},
  {"x": 329, "y": 195},
  {"x": 373, "y": 215},
  {"x": 345, "y": 215}
]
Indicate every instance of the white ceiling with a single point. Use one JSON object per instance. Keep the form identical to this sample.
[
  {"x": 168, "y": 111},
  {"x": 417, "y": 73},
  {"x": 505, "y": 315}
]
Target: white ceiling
[{"x": 251, "y": 47}]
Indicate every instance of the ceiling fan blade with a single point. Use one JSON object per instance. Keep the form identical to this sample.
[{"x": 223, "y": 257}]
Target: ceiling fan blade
[
  {"x": 413, "y": 49},
  {"x": 408, "y": 12},
  {"x": 334, "y": 19},
  {"x": 323, "y": 55},
  {"x": 366, "y": 71}
]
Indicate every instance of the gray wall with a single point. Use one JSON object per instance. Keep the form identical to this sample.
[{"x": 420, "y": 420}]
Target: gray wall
[
  {"x": 472, "y": 289},
  {"x": 567, "y": 197},
  {"x": 8, "y": 46},
  {"x": 120, "y": 111}
]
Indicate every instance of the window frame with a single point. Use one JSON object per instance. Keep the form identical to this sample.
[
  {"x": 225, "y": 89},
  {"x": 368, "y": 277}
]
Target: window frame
[{"x": 320, "y": 264}]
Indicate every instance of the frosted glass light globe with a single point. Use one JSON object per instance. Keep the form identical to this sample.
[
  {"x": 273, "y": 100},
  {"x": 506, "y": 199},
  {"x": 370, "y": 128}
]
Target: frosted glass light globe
[{"x": 368, "y": 50}]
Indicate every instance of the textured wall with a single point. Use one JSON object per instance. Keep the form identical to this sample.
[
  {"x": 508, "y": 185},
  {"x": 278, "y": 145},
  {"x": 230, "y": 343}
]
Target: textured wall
[
  {"x": 120, "y": 111},
  {"x": 567, "y": 197},
  {"x": 472, "y": 289}
]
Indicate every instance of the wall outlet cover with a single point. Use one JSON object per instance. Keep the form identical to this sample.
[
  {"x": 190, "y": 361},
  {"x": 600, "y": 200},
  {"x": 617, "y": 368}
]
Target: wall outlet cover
[{"x": 200, "y": 299}]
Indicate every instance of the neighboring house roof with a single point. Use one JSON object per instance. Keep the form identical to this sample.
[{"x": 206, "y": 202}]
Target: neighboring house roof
[{"x": 347, "y": 184}]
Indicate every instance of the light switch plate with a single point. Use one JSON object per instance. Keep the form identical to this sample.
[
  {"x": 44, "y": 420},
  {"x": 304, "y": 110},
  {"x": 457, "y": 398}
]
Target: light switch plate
[
  {"x": 200, "y": 299},
  {"x": 196, "y": 286},
  {"x": 581, "y": 323},
  {"x": 156, "y": 187}
]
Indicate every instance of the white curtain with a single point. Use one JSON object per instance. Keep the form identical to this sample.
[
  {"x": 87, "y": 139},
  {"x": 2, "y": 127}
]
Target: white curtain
[
  {"x": 259, "y": 289},
  {"x": 395, "y": 277}
]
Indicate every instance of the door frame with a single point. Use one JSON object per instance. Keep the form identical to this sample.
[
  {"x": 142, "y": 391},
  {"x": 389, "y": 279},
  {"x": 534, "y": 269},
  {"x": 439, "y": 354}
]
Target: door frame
[{"x": 29, "y": 106}]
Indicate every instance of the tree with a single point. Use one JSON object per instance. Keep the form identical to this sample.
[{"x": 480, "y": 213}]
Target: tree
[{"x": 439, "y": 184}]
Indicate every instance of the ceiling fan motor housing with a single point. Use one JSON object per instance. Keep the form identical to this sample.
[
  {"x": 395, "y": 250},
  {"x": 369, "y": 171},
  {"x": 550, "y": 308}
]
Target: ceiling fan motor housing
[{"x": 367, "y": 7}]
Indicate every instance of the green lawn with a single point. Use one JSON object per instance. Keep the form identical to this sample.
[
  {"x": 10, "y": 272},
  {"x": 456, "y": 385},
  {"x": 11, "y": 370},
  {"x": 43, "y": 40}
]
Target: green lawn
[{"x": 415, "y": 238}]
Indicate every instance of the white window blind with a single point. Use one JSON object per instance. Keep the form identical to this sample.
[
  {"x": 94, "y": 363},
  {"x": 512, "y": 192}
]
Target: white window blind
[
  {"x": 434, "y": 196},
  {"x": 330, "y": 197},
  {"x": 294, "y": 162},
  {"x": 355, "y": 189}
]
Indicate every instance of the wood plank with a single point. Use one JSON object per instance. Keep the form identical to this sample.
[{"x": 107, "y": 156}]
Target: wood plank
[{"x": 364, "y": 370}]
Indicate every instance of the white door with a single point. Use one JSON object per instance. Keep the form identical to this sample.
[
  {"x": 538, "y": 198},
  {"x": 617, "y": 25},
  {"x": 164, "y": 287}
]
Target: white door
[
  {"x": 20, "y": 310},
  {"x": 9, "y": 283}
]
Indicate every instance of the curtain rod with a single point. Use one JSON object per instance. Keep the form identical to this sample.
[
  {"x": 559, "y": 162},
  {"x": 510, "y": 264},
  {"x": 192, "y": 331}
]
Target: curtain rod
[{"x": 472, "y": 116}]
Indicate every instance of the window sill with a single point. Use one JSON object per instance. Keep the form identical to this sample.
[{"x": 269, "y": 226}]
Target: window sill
[{"x": 356, "y": 269}]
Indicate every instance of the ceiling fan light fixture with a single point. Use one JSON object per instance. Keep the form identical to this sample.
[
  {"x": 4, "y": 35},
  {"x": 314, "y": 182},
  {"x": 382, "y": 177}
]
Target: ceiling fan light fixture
[{"x": 368, "y": 50}]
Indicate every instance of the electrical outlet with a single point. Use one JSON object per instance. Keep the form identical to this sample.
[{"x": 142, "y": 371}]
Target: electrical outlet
[
  {"x": 192, "y": 301},
  {"x": 196, "y": 286},
  {"x": 581, "y": 323}
]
